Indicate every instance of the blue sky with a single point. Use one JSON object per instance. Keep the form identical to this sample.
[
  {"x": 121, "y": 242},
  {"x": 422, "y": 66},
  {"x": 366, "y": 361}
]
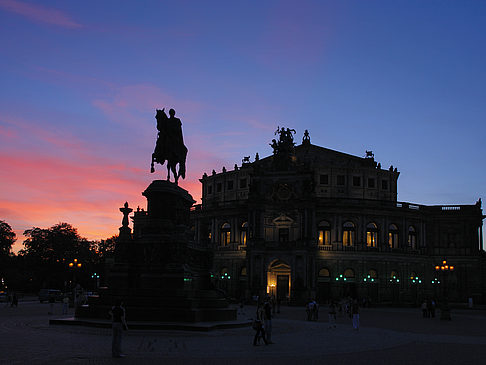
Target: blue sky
[{"x": 80, "y": 82}]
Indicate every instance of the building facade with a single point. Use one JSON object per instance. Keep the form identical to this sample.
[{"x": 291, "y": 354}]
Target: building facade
[{"x": 310, "y": 222}]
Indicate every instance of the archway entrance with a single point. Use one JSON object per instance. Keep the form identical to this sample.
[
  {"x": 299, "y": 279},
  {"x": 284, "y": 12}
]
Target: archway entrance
[{"x": 278, "y": 280}]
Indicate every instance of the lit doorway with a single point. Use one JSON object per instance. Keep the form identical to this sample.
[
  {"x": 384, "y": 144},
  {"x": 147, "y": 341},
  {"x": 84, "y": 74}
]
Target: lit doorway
[{"x": 278, "y": 280}]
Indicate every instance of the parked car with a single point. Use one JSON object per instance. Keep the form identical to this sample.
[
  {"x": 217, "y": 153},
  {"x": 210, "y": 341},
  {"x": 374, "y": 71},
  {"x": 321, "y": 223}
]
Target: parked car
[
  {"x": 3, "y": 296},
  {"x": 45, "y": 293}
]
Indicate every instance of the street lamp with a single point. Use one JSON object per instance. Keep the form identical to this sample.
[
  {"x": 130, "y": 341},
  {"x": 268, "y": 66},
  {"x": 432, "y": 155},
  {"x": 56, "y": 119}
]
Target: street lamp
[
  {"x": 75, "y": 265},
  {"x": 445, "y": 270},
  {"x": 97, "y": 277},
  {"x": 414, "y": 282}
]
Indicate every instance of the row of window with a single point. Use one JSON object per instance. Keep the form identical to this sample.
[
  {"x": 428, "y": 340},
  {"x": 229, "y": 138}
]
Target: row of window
[
  {"x": 356, "y": 181},
  {"x": 372, "y": 233},
  {"x": 324, "y": 234},
  {"x": 230, "y": 185}
]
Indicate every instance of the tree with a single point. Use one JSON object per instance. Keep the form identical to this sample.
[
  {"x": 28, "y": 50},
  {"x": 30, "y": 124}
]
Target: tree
[
  {"x": 7, "y": 238},
  {"x": 48, "y": 252},
  {"x": 105, "y": 248},
  {"x": 56, "y": 243}
]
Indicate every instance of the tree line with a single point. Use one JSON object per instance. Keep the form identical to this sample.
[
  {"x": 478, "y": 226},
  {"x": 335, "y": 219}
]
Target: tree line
[{"x": 56, "y": 258}]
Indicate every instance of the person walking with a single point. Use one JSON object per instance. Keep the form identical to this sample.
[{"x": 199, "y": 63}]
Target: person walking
[
  {"x": 267, "y": 315},
  {"x": 332, "y": 315},
  {"x": 52, "y": 300},
  {"x": 424, "y": 309},
  {"x": 315, "y": 313},
  {"x": 15, "y": 300},
  {"x": 355, "y": 313},
  {"x": 65, "y": 304},
  {"x": 259, "y": 327},
  {"x": 119, "y": 324}
]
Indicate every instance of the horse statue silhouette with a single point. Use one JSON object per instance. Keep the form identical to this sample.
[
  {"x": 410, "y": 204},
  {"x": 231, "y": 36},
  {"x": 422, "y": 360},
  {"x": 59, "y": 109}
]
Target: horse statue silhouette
[{"x": 170, "y": 145}]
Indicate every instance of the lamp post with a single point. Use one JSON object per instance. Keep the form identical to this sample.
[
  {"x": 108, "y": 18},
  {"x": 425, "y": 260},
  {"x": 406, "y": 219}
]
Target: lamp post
[
  {"x": 341, "y": 279},
  {"x": 415, "y": 281},
  {"x": 445, "y": 270},
  {"x": 96, "y": 277},
  {"x": 369, "y": 281},
  {"x": 74, "y": 265}
]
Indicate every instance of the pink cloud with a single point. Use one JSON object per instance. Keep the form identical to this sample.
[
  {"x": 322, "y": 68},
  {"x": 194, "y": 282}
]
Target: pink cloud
[
  {"x": 74, "y": 185},
  {"x": 40, "y": 13}
]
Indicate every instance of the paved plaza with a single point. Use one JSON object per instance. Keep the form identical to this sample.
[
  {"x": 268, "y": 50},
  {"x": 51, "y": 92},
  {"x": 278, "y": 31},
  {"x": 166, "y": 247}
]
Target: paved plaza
[{"x": 386, "y": 336}]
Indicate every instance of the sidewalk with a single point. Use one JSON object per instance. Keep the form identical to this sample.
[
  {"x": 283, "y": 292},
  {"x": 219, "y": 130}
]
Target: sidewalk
[{"x": 386, "y": 335}]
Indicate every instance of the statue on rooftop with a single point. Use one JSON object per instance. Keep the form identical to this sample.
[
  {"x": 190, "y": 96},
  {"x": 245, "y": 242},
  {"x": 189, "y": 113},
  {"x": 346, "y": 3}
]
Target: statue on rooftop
[
  {"x": 170, "y": 145},
  {"x": 306, "y": 137}
]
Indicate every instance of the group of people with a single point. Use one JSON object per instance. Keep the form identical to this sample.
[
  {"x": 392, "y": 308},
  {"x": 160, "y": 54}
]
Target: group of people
[
  {"x": 263, "y": 322},
  {"x": 12, "y": 300},
  {"x": 428, "y": 308},
  {"x": 347, "y": 306},
  {"x": 312, "y": 310}
]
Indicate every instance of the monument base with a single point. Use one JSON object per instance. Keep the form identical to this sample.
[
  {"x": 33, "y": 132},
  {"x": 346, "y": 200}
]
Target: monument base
[{"x": 158, "y": 272}]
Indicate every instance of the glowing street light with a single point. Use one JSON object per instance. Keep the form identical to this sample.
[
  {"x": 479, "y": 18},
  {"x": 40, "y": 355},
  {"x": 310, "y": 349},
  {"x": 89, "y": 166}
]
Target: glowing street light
[{"x": 445, "y": 270}]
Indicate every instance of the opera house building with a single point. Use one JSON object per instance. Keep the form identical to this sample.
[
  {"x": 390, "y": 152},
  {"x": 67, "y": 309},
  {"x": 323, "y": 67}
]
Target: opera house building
[{"x": 310, "y": 222}]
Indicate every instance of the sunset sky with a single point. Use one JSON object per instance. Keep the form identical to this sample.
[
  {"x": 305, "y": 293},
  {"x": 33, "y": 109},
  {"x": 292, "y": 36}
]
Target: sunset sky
[{"x": 80, "y": 82}]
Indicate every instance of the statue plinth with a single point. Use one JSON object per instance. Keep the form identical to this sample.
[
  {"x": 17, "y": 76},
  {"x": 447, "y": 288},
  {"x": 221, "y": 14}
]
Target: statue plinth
[
  {"x": 164, "y": 277},
  {"x": 167, "y": 200}
]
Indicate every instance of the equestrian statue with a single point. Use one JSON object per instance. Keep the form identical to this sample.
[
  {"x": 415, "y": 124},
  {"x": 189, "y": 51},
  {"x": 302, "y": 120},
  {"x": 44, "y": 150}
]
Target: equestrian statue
[{"x": 170, "y": 145}]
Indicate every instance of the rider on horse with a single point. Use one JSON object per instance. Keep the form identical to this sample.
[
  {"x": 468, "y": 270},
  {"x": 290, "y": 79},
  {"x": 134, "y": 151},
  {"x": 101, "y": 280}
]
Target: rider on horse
[{"x": 170, "y": 144}]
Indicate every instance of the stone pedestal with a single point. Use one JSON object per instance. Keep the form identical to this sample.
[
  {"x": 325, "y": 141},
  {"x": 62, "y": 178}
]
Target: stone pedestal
[{"x": 158, "y": 272}]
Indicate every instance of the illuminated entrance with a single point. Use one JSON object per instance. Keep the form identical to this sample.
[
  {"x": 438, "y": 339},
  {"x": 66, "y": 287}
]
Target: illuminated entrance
[{"x": 278, "y": 280}]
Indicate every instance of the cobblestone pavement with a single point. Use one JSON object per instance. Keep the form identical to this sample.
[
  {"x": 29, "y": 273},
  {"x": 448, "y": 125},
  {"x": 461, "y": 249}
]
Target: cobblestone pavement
[{"x": 386, "y": 336}]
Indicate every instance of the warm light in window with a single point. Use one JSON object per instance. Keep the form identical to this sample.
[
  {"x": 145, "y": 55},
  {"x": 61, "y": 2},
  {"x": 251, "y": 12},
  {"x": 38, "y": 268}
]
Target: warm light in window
[
  {"x": 79, "y": 265},
  {"x": 442, "y": 267},
  {"x": 451, "y": 267},
  {"x": 444, "y": 262},
  {"x": 437, "y": 267},
  {"x": 71, "y": 264}
]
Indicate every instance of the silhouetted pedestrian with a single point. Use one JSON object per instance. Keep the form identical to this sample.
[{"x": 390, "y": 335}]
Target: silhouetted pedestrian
[
  {"x": 259, "y": 327},
  {"x": 355, "y": 313},
  {"x": 52, "y": 300},
  {"x": 424, "y": 309},
  {"x": 267, "y": 315},
  {"x": 332, "y": 315},
  {"x": 432, "y": 308},
  {"x": 65, "y": 304},
  {"x": 15, "y": 301},
  {"x": 118, "y": 325}
]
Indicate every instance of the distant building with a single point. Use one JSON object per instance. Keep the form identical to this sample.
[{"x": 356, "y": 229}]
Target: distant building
[{"x": 310, "y": 222}]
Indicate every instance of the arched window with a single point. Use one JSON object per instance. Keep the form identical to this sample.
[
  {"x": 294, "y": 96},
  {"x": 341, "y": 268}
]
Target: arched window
[
  {"x": 243, "y": 233},
  {"x": 225, "y": 234},
  {"x": 394, "y": 278},
  {"x": 371, "y": 235},
  {"x": 349, "y": 274},
  {"x": 371, "y": 277},
  {"x": 393, "y": 236},
  {"x": 412, "y": 238},
  {"x": 243, "y": 271},
  {"x": 373, "y": 274},
  {"x": 224, "y": 273},
  {"x": 324, "y": 233},
  {"x": 348, "y": 234},
  {"x": 324, "y": 273}
]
